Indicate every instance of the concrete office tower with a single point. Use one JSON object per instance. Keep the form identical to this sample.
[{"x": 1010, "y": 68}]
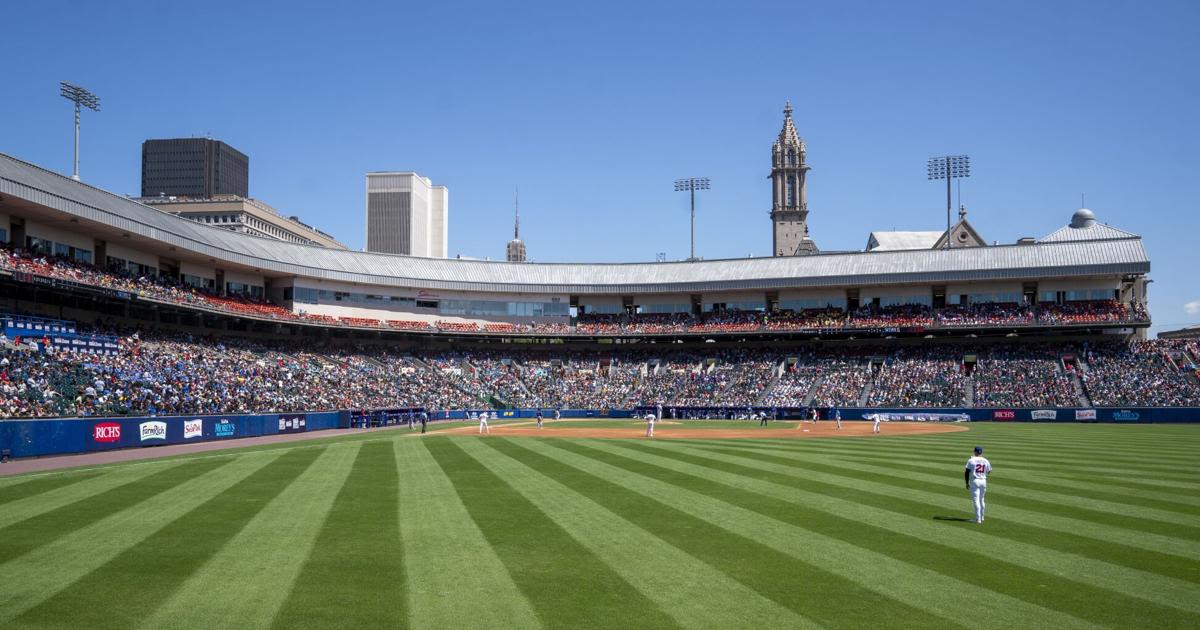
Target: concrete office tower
[
  {"x": 197, "y": 168},
  {"x": 406, "y": 214}
]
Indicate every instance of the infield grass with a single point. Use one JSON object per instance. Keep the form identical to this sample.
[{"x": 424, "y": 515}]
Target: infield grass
[{"x": 1089, "y": 526}]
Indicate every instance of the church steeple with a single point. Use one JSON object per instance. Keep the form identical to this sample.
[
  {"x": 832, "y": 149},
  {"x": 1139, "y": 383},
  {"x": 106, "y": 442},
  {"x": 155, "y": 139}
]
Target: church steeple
[
  {"x": 515, "y": 250},
  {"x": 789, "y": 192}
]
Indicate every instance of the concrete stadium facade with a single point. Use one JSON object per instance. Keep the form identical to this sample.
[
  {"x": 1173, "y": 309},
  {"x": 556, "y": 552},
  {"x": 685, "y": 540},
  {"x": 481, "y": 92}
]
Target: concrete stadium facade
[{"x": 1084, "y": 260}]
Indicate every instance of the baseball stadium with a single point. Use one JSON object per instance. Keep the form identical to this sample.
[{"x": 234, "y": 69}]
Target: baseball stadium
[{"x": 206, "y": 428}]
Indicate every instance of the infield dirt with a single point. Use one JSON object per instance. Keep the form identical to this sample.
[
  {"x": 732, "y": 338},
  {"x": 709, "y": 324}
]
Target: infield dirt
[{"x": 671, "y": 430}]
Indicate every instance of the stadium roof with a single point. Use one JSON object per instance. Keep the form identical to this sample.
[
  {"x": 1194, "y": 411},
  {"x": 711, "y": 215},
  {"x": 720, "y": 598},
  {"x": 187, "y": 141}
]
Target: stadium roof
[
  {"x": 50, "y": 198},
  {"x": 1094, "y": 232}
]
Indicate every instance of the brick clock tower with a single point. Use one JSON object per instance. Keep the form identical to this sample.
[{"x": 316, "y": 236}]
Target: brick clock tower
[{"x": 789, "y": 207}]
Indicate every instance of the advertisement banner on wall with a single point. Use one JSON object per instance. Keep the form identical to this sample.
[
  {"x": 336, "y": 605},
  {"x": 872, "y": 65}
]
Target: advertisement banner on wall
[
  {"x": 106, "y": 432},
  {"x": 1044, "y": 414},
  {"x": 153, "y": 430},
  {"x": 1085, "y": 414},
  {"x": 1125, "y": 415},
  {"x": 291, "y": 423},
  {"x": 193, "y": 428},
  {"x": 224, "y": 428},
  {"x": 1004, "y": 414}
]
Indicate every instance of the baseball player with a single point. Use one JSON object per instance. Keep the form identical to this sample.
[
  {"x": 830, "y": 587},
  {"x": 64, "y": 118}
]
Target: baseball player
[
  {"x": 762, "y": 420},
  {"x": 483, "y": 423},
  {"x": 975, "y": 476},
  {"x": 837, "y": 415},
  {"x": 875, "y": 429},
  {"x": 539, "y": 418},
  {"x": 557, "y": 414},
  {"x": 658, "y": 411},
  {"x": 816, "y": 415},
  {"x": 650, "y": 426}
]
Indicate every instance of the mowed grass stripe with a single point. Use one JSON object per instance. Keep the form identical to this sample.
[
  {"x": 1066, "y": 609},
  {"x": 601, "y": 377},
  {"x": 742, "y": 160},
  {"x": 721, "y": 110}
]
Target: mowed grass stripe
[
  {"x": 455, "y": 579},
  {"x": 37, "y": 485},
  {"x": 639, "y": 539},
  {"x": 1101, "y": 486},
  {"x": 24, "y": 536},
  {"x": 1078, "y": 599},
  {"x": 938, "y": 494},
  {"x": 62, "y": 496},
  {"x": 1065, "y": 459},
  {"x": 244, "y": 583},
  {"x": 354, "y": 574},
  {"x": 1077, "y": 530},
  {"x": 32, "y": 578},
  {"x": 919, "y": 587},
  {"x": 142, "y": 577},
  {"x": 567, "y": 585},
  {"x": 1139, "y": 582},
  {"x": 1069, "y": 494}
]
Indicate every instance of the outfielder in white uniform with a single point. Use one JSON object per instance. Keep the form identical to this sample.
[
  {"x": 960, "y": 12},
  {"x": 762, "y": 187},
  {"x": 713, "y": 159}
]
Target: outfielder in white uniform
[
  {"x": 975, "y": 475},
  {"x": 875, "y": 429},
  {"x": 483, "y": 425},
  {"x": 650, "y": 426}
]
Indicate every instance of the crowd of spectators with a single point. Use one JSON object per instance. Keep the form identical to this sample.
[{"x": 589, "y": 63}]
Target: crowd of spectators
[
  {"x": 158, "y": 374},
  {"x": 1027, "y": 377},
  {"x": 1140, "y": 374},
  {"x": 841, "y": 385},
  {"x": 722, "y": 321},
  {"x": 919, "y": 377}
]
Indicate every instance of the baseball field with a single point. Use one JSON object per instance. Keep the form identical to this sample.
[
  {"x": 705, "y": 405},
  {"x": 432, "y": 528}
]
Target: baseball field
[{"x": 1088, "y": 526}]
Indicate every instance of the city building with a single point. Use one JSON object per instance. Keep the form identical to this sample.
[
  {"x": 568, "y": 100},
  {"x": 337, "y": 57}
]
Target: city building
[
  {"x": 406, "y": 214},
  {"x": 789, "y": 192},
  {"x": 515, "y": 250},
  {"x": 199, "y": 168},
  {"x": 248, "y": 216},
  {"x": 962, "y": 234}
]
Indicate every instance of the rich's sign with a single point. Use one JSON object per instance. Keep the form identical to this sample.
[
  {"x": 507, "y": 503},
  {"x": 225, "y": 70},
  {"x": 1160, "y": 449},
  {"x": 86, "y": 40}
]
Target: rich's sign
[{"x": 107, "y": 432}]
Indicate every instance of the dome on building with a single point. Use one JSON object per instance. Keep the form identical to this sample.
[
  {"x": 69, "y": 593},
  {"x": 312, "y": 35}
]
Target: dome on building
[{"x": 1083, "y": 218}]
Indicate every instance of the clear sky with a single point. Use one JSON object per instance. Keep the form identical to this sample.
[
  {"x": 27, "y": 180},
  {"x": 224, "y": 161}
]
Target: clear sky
[{"x": 593, "y": 109}]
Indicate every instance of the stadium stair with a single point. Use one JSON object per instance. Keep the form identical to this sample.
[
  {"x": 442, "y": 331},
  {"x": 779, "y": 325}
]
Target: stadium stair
[
  {"x": 812, "y": 390},
  {"x": 969, "y": 393},
  {"x": 1080, "y": 392},
  {"x": 767, "y": 390},
  {"x": 866, "y": 393}
]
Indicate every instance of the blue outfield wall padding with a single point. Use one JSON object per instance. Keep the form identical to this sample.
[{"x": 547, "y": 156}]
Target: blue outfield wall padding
[
  {"x": 1125, "y": 415},
  {"x": 33, "y": 438}
]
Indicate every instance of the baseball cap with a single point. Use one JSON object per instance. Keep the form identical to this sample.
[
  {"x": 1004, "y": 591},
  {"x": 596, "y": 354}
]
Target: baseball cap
[{"x": 978, "y": 450}]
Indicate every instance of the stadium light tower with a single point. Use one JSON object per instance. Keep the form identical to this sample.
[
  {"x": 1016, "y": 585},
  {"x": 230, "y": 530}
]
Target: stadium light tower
[
  {"x": 691, "y": 185},
  {"x": 81, "y": 97},
  {"x": 949, "y": 168}
]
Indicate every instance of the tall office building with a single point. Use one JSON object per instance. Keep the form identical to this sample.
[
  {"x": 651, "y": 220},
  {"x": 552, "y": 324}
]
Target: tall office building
[
  {"x": 198, "y": 168},
  {"x": 406, "y": 214}
]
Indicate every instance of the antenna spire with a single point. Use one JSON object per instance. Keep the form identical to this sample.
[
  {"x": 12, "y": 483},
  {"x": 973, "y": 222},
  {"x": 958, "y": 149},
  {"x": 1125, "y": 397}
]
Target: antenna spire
[{"x": 517, "y": 212}]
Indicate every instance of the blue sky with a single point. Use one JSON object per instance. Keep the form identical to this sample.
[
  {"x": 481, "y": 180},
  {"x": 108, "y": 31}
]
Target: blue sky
[{"x": 593, "y": 110}]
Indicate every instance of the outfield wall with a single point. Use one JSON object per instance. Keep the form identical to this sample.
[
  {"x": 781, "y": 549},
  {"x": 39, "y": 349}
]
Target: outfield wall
[
  {"x": 33, "y": 438},
  {"x": 1124, "y": 415}
]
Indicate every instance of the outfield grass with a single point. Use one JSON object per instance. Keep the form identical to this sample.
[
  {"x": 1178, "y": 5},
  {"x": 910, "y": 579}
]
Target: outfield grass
[{"x": 1088, "y": 526}]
